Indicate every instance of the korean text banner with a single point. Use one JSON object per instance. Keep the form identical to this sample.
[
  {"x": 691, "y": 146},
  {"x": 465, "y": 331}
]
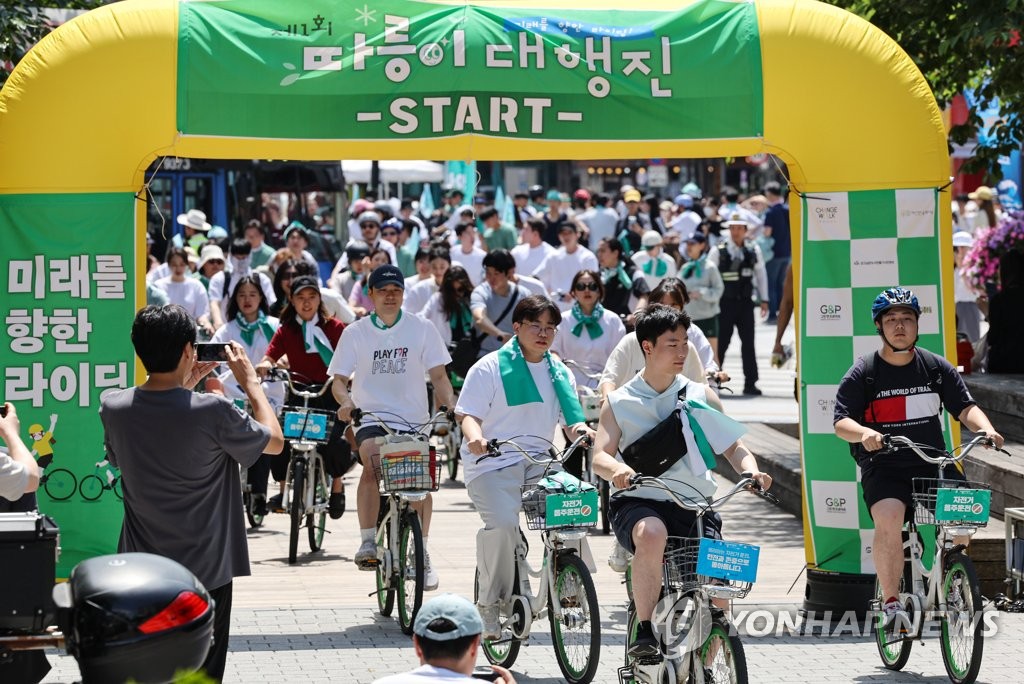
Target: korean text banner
[
  {"x": 68, "y": 269},
  {"x": 411, "y": 70}
]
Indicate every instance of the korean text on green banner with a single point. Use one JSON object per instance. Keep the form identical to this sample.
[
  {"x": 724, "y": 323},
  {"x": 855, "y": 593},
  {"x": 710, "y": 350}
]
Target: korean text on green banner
[
  {"x": 855, "y": 244},
  {"x": 399, "y": 69},
  {"x": 69, "y": 308}
]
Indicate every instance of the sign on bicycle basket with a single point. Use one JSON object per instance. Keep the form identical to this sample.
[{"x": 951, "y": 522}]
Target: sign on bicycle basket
[
  {"x": 299, "y": 425},
  {"x": 962, "y": 505},
  {"x": 578, "y": 509},
  {"x": 727, "y": 560}
]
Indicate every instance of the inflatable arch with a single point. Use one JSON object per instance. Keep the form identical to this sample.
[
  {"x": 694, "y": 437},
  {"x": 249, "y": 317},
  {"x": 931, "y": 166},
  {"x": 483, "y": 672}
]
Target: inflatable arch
[{"x": 98, "y": 100}]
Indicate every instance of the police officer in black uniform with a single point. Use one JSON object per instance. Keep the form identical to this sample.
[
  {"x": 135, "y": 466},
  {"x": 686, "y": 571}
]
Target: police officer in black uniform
[{"x": 742, "y": 267}]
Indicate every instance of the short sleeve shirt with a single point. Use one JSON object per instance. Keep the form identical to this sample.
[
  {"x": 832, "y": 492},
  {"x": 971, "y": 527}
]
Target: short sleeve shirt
[
  {"x": 904, "y": 402},
  {"x": 13, "y": 478}
]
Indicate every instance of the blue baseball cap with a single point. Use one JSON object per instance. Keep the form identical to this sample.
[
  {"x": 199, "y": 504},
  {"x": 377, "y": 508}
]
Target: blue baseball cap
[
  {"x": 684, "y": 200},
  {"x": 386, "y": 275},
  {"x": 447, "y": 617}
]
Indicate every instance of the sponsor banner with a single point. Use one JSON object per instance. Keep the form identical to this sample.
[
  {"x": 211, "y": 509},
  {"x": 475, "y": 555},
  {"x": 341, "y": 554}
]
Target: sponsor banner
[
  {"x": 820, "y": 409},
  {"x": 829, "y": 312},
  {"x": 836, "y": 504}
]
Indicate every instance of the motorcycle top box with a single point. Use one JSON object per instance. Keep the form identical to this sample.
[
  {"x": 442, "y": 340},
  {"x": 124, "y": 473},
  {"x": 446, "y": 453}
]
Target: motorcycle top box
[{"x": 135, "y": 616}]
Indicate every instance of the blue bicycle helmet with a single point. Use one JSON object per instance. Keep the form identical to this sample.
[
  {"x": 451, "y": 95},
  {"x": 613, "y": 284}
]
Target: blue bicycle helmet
[{"x": 893, "y": 297}]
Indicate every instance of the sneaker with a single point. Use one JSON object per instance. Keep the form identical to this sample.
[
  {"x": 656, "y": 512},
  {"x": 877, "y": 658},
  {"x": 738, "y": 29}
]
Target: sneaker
[
  {"x": 492, "y": 622},
  {"x": 752, "y": 391},
  {"x": 646, "y": 644},
  {"x": 430, "y": 581},
  {"x": 619, "y": 558},
  {"x": 366, "y": 556},
  {"x": 259, "y": 505},
  {"x": 275, "y": 504},
  {"x": 336, "y": 504},
  {"x": 895, "y": 617}
]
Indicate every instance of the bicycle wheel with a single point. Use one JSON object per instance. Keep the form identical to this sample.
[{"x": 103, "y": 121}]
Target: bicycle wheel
[
  {"x": 410, "y": 570},
  {"x": 647, "y": 670},
  {"x": 962, "y": 633},
  {"x": 604, "y": 491},
  {"x": 60, "y": 484},
  {"x": 316, "y": 522},
  {"x": 298, "y": 491},
  {"x": 91, "y": 487},
  {"x": 722, "y": 654},
  {"x": 120, "y": 495},
  {"x": 577, "y": 635},
  {"x": 385, "y": 575},
  {"x": 893, "y": 649},
  {"x": 505, "y": 650}
]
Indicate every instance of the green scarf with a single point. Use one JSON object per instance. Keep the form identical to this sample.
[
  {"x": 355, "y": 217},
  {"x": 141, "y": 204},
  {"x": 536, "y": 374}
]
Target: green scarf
[
  {"x": 618, "y": 272},
  {"x": 521, "y": 389},
  {"x": 592, "y": 322},
  {"x": 656, "y": 267},
  {"x": 623, "y": 238},
  {"x": 693, "y": 268},
  {"x": 703, "y": 446},
  {"x": 463, "y": 320},
  {"x": 380, "y": 325},
  {"x": 248, "y": 330},
  {"x": 315, "y": 339}
]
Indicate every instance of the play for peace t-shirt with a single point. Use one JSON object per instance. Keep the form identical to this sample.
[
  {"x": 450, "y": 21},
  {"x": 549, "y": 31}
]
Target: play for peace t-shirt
[{"x": 387, "y": 367}]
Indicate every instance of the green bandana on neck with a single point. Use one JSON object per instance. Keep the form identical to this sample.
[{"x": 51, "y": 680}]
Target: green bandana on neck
[
  {"x": 618, "y": 272},
  {"x": 592, "y": 322},
  {"x": 706, "y": 452},
  {"x": 381, "y": 325},
  {"x": 315, "y": 339},
  {"x": 656, "y": 267},
  {"x": 521, "y": 389},
  {"x": 463, "y": 320},
  {"x": 248, "y": 330},
  {"x": 623, "y": 238},
  {"x": 693, "y": 268}
]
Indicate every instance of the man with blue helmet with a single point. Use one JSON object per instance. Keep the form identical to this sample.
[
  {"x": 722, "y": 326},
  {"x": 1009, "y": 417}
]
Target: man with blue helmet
[{"x": 901, "y": 390}]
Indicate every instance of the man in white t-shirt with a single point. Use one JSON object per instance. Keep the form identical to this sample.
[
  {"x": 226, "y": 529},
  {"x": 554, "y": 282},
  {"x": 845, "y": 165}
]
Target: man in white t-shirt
[
  {"x": 600, "y": 219},
  {"x": 467, "y": 254},
  {"x": 417, "y": 296},
  {"x": 520, "y": 388},
  {"x": 652, "y": 262},
  {"x": 387, "y": 355},
  {"x": 19, "y": 473},
  {"x": 560, "y": 267},
  {"x": 222, "y": 284},
  {"x": 533, "y": 251}
]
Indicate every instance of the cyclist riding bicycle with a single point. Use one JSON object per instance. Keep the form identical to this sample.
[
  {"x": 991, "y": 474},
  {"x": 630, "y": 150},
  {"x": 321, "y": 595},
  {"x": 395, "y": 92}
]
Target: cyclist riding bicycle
[
  {"x": 644, "y": 518},
  {"x": 387, "y": 355},
  {"x": 899, "y": 390},
  {"x": 519, "y": 386}
]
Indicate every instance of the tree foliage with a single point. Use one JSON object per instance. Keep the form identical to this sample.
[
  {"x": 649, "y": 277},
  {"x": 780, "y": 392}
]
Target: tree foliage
[
  {"x": 959, "y": 45},
  {"x": 23, "y": 24}
]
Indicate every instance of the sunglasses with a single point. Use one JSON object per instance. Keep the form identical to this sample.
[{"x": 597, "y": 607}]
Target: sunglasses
[{"x": 581, "y": 287}]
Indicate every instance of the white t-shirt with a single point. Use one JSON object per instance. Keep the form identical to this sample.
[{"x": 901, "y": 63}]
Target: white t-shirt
[
  {"x": 627, "y": 359},
  {"x": 433, "y": 311},
  {"x": 189, "y": 294},
  {"x": 641, "y": 259},
  {"x": 589, "y": 353},
  {"x": 601, "y": 221},
  {"x": 528, "y": 259},
  {"x": 529, "y": 425},
  {"x": 425, "y": 674},
  {"x": 230, "y": 332},
  {"x": 218, "y": 292},
  {"x": 472, "y": 262},
  {"x": 13, "y": 478},
  {"x": 560, "y": 268},
  {"x": 417, "y": 296},
  {"x": 337, "y": 306},
  {"x": 387, "y": 367},
  {"x": 531, "y": 285}
]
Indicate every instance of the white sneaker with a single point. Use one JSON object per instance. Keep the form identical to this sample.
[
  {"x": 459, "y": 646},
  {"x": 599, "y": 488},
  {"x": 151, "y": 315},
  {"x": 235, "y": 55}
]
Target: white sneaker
[
  {"x": 430, "y": 581},
  {"x": 366, "y": 556},
  {"x": 492, "y": 621},
  {"x": 619, "y": 558},
  {"x": 896, "y": 618}
]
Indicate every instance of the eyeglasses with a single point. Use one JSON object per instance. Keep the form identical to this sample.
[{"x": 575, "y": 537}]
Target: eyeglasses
[
  {"x": 536, "y": 329},
  {"x": 592, "y": 286}
]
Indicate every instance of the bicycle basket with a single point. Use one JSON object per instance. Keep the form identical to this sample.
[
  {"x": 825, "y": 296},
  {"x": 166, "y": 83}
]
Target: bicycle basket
[
  {"x": 408, "y": 467},
  {"x": 682, "y": 555},
  {"x": 959, "y": 503},
  {"x": 548, "y": 510},
  {"x": 306, "y": 424}
]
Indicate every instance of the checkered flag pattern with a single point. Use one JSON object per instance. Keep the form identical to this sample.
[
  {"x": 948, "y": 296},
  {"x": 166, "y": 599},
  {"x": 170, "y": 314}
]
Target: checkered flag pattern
[{"x": 854, "y": 244}]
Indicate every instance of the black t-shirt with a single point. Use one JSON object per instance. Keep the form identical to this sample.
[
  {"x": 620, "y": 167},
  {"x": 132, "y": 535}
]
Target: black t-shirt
[
  {"x": 904, "y": 403},
  {"x": 616, "y": 295}
]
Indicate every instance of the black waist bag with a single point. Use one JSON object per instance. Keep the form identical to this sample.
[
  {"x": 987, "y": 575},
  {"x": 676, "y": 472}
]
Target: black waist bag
[{"x": 660, "y": 447}]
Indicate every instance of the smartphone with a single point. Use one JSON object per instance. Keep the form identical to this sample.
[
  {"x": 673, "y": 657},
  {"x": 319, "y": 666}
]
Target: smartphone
[
  {"x": 485, "y": 673},
  {"x": 3, "y": 410},
  {"x": 212, "y": 351}
]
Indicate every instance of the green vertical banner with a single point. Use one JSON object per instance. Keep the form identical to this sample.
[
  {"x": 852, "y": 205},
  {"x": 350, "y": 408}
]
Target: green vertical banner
[
  {"x": 461, "y": 175},
  {"x": 69, "y": 271},
  {"x": 400, "y": 69},
  {"x": 855, "y": 244}
]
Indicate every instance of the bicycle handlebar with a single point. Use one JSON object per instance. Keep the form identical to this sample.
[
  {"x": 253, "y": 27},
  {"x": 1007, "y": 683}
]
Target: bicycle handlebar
[
  {"x": 746, "y": 483},
  {"x": 494, "y": 445},
  {"x": 892, "y": 443},
  {"x": 279, "y": 374},
  {"x": 442, "y": 412}
]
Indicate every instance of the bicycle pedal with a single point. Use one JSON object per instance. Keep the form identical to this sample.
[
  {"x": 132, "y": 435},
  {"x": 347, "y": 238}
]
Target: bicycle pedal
[{"x": 369, "y": 565}]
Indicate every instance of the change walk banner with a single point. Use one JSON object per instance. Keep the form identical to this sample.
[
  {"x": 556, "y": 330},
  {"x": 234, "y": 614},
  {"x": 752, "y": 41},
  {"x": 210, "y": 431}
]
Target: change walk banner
[
  {"x": 68, "y": 311},
  {"x": 897, "y": 243},
  {"x": 387, "y": 71}
]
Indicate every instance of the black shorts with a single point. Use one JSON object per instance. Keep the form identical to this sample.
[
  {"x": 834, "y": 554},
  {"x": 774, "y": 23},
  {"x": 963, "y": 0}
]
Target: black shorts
[
  {"x": 628, "y": 511},
  {"x": 708, "y": 326},
  {"x": 894, "y": 480},
  {"x": 369, "y": 432}
]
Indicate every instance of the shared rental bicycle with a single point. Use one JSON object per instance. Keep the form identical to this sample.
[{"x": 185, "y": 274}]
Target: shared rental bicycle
[
  {"x": 698, "y": 643},
  {"x": 407, "y": 471},
  {"x": 949, "y": 590},
  {"x": 590, "y": 400},
  {"x": 307, "y": 487},
  {"x": 562, "y": 508}
]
